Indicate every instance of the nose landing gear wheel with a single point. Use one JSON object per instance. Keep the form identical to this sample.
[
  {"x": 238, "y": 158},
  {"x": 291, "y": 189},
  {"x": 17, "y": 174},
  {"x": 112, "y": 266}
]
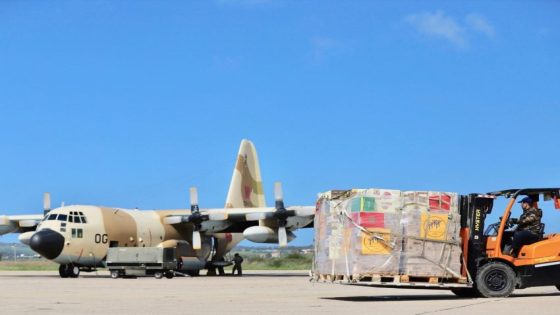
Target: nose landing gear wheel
[
  {"x": 73, "y": 271},
  {"x": 495, "y": 279},
  {"x": 70, "y": 270},
  {"x": 62, "y": 271}
]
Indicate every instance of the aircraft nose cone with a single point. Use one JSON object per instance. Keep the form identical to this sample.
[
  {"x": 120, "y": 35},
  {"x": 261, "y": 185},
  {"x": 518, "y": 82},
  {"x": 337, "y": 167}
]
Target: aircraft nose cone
[{"x": 48, "y": 243}]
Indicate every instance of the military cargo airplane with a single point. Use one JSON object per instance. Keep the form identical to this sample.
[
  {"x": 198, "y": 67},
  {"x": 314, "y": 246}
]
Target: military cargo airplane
[{"x": 78, "y": 236}]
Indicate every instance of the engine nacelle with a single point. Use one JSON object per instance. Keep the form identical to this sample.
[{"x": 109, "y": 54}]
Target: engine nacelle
[
  {"x": 6, "y": 226},
  {"x": 264, "y": 234}
]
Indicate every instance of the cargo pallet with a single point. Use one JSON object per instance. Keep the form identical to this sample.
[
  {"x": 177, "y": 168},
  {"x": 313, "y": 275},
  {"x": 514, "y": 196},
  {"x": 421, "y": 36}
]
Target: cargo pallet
[{"x": 394, "y": 280}]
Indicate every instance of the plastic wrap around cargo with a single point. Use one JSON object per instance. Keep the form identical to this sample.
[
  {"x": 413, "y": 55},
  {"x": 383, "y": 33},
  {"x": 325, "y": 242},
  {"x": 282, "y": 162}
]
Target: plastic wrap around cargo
[{"x": 387, "y": 232}]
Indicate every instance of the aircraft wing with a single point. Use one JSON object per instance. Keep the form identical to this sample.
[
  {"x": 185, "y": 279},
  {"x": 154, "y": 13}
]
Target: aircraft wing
[
  {"x": 260, "y": 224},
  {"x": 19, "y": 223},
  {"x": 236, "y": 220}
]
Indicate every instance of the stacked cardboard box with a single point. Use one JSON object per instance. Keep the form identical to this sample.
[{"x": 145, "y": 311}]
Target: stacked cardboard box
[{"x": 388, "y": 232}]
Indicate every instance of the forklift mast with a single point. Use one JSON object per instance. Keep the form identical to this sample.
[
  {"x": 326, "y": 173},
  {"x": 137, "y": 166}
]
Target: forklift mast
[{"x": 474, "y": 208}]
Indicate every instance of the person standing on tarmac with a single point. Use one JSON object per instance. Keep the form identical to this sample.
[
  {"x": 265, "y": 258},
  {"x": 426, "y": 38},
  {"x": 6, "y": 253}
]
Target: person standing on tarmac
[
  {"x": 237, "y": 261},
  {"x": 528, "y": 226}
]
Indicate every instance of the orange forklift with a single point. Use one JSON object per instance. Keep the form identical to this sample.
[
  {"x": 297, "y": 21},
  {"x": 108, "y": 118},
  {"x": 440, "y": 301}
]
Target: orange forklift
[{"x": 493, "y": 272}]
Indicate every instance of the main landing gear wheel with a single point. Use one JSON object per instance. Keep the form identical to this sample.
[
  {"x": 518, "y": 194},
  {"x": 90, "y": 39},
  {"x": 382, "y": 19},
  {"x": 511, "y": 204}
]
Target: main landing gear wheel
[{"x": 495, "y": 279}]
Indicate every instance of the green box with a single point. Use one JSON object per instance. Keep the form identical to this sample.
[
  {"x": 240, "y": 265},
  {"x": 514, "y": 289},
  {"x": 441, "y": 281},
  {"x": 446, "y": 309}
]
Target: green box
[{"x": 363, "y": 204}]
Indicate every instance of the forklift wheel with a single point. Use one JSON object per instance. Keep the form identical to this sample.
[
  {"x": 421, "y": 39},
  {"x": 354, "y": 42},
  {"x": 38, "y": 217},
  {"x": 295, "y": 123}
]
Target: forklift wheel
[
  {"x": 169, "y": 274},
  {"x": 158, "y": 274},
  {"x": 495, "y": 279},
  {"x": 465, "y": 292}
]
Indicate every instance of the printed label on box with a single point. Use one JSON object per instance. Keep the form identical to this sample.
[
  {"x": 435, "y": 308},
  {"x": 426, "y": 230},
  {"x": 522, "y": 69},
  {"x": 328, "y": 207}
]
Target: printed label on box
[
  {"x": 373, "y": 245},
  {"x": 369, "y": 219},
  {"x": 441, "y": 201},
  {"x": 434, "y": 226}
]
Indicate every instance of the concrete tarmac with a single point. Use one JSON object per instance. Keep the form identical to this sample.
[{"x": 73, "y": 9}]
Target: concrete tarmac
[{"x": 254, "y": 293}]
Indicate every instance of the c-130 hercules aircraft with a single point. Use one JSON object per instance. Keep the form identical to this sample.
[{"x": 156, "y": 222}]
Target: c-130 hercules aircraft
[{"x": 77, "y": 237}]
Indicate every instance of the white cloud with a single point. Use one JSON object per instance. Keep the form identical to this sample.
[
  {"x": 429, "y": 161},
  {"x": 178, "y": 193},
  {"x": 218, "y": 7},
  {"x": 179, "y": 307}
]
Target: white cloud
[
  {"x": 438, "y": 25},
  {"x": 479, "y": 23}
]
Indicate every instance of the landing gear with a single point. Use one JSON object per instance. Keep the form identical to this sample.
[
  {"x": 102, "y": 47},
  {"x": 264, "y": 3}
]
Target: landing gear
[
  {"x": 495, "y": 279},
  {"x": 69, "y": 271},
  {"x": 62, "y": 271}
]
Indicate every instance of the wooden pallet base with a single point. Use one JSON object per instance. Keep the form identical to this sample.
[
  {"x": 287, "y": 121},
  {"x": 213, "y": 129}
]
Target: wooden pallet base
[{"x": 381, "y": 279}]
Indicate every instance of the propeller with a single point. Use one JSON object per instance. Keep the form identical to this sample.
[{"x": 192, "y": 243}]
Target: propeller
[
  {"x": 46, "y": 203},
  {"x": 195, "y": 218},
  {"x": 281, "y": 214}
]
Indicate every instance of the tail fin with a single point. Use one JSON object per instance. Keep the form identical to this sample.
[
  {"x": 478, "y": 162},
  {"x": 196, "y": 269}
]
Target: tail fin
[{"x": 246, "y": 189}]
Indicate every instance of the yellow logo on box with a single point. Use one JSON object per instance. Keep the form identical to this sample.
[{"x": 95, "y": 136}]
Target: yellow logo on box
[
  {"x": 371, "y": 245},
  {"x": 434, "y": 226}
]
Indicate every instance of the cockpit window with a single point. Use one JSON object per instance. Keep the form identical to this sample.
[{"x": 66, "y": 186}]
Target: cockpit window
[
  {"x": 62, "y": 217},
  {"x": 52, "y": 217},
  {"x": 77, "y": 217}
]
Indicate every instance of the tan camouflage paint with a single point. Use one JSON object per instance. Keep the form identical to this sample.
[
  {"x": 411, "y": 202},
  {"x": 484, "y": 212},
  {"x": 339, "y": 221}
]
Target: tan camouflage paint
[
  {"x": 246, "y": 188},
  {"x": 245, "y": 191},
  {"x": 146, "y": 228}
]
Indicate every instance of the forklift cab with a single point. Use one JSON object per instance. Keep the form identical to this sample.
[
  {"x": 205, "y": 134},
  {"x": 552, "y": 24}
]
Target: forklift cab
[
  {"x": 493, "y": 272},
  {"x": 499, "y": 235}
]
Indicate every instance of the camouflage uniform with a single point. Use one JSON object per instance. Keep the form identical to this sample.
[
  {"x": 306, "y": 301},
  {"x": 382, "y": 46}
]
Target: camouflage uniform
[
  {"x": 530, "y": 221},
  {"x": 528, "y": 230}
]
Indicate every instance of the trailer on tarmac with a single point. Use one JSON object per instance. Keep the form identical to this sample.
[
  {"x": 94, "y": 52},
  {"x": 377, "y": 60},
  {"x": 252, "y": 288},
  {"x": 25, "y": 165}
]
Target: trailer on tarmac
[{"x": 141, "y": 261}]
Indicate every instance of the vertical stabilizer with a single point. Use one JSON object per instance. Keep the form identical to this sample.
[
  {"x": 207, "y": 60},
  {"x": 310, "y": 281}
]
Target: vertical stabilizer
[{"x": 246, "y": 188}]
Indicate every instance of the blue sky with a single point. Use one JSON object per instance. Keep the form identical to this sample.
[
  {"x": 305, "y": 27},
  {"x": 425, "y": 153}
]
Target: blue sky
[{"x": 128, "y": 103}]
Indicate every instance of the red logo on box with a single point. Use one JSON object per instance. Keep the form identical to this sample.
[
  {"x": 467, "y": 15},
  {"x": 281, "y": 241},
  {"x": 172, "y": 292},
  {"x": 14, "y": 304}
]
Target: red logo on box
[
  {"x": 440, "y": 202},
  {"x": 369, "y": 219}
]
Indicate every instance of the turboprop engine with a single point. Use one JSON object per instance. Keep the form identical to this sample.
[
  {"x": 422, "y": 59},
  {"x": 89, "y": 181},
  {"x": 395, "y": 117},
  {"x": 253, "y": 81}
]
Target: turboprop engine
[{"x": 264, "y": 234}]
